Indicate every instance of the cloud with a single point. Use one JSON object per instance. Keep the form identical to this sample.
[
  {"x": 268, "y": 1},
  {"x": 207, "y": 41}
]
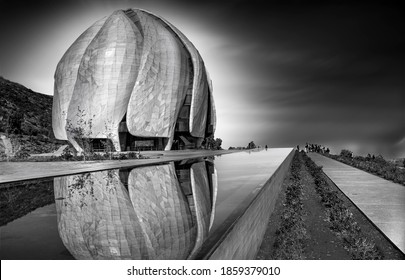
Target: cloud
[{"x": 283, "y": 74}]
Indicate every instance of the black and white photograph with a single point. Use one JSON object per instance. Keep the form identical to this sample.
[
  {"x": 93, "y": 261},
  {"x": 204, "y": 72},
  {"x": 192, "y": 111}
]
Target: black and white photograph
[{"x": 247, "y": 133}]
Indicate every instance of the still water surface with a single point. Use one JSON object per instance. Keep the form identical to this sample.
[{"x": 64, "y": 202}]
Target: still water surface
[{"x": 163, "y": 211}]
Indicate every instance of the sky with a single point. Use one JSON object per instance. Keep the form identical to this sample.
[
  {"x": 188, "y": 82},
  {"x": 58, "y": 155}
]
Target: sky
[{"x": 284, "y": 73}]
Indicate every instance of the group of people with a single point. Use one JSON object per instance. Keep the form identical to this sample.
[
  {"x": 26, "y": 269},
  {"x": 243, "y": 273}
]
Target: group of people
[{"x": 315, "y": 148}]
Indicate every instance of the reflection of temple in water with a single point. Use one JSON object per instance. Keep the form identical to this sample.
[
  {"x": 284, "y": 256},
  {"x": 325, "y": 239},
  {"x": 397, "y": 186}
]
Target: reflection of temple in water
[{"x": 152, "y": 212}]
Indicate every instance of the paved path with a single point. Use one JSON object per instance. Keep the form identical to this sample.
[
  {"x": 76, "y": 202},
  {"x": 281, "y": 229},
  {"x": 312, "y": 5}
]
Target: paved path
[
  {"x": 382, "y": 201},
  {"x": 16, "y": 171}
]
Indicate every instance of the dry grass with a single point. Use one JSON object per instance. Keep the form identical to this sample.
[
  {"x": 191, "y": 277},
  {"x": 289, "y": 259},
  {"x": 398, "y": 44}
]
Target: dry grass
[{"x": 292, "y": 233}]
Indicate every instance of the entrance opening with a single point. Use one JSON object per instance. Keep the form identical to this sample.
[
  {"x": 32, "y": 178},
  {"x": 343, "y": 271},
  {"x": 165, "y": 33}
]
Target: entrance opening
[
  {"x": 129, "y": 142},
  {"x": 102, "y": 145}
]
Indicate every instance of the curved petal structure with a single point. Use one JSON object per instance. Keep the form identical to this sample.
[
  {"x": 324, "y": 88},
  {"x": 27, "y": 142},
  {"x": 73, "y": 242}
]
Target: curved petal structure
[
  {"x": 162, "y": 84},
  {"x": 199, "y": 101},
  {"x": 65, "y": 78},
  {"x": 107, "y": 74},
  {"x": 212, "y": 121},
  {"x": 136, "y": 79}
]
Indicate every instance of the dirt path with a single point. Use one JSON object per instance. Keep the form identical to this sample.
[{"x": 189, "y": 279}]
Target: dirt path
[
  {"x": 308, "y": 234},
  {"x": 323, "y": 244}
]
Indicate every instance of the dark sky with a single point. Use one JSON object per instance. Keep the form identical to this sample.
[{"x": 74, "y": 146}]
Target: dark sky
[{"x": 285, "y": 73}]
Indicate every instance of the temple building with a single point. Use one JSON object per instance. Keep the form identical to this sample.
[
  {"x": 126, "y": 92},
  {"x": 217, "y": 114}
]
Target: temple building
[{"x": 135, "y": 79}]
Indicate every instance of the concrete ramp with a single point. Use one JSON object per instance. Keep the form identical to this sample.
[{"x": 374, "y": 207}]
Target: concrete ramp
[{"x": 382, "y": 201}]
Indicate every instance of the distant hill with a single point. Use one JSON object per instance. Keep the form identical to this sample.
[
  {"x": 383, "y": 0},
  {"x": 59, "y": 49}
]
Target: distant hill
[{"x": 28, "y": 115}]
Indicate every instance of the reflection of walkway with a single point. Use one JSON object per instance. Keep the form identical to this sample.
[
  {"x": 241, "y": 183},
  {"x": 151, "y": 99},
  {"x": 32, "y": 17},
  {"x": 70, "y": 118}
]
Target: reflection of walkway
[
  {"x": 143, "y": 213},
  {"x": 15, "y": 171},
  {"x": 382, "y": 201}
]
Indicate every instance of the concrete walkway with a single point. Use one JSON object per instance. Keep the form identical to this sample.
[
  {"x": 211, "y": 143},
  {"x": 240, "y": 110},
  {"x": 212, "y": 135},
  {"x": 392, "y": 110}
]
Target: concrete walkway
[
  {"x": 382, "y": 201},
  {"x": 16, "y": 171}
]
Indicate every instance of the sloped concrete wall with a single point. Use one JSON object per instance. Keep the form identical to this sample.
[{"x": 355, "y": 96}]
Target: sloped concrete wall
[{"x": 243, "y": 238}]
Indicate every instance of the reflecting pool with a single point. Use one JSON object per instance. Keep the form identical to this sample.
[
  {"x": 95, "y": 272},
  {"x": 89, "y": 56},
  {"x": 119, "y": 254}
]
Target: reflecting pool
[{"x": 165, "y": 211}]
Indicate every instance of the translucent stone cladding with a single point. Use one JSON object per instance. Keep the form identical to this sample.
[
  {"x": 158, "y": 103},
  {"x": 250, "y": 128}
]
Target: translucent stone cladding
[{"x": 137, "y": 64}]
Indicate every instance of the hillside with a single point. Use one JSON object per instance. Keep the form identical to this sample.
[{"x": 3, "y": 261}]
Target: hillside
[
  {"x": 27, "y": 111},
  {"x": 26, "y": 115}
]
